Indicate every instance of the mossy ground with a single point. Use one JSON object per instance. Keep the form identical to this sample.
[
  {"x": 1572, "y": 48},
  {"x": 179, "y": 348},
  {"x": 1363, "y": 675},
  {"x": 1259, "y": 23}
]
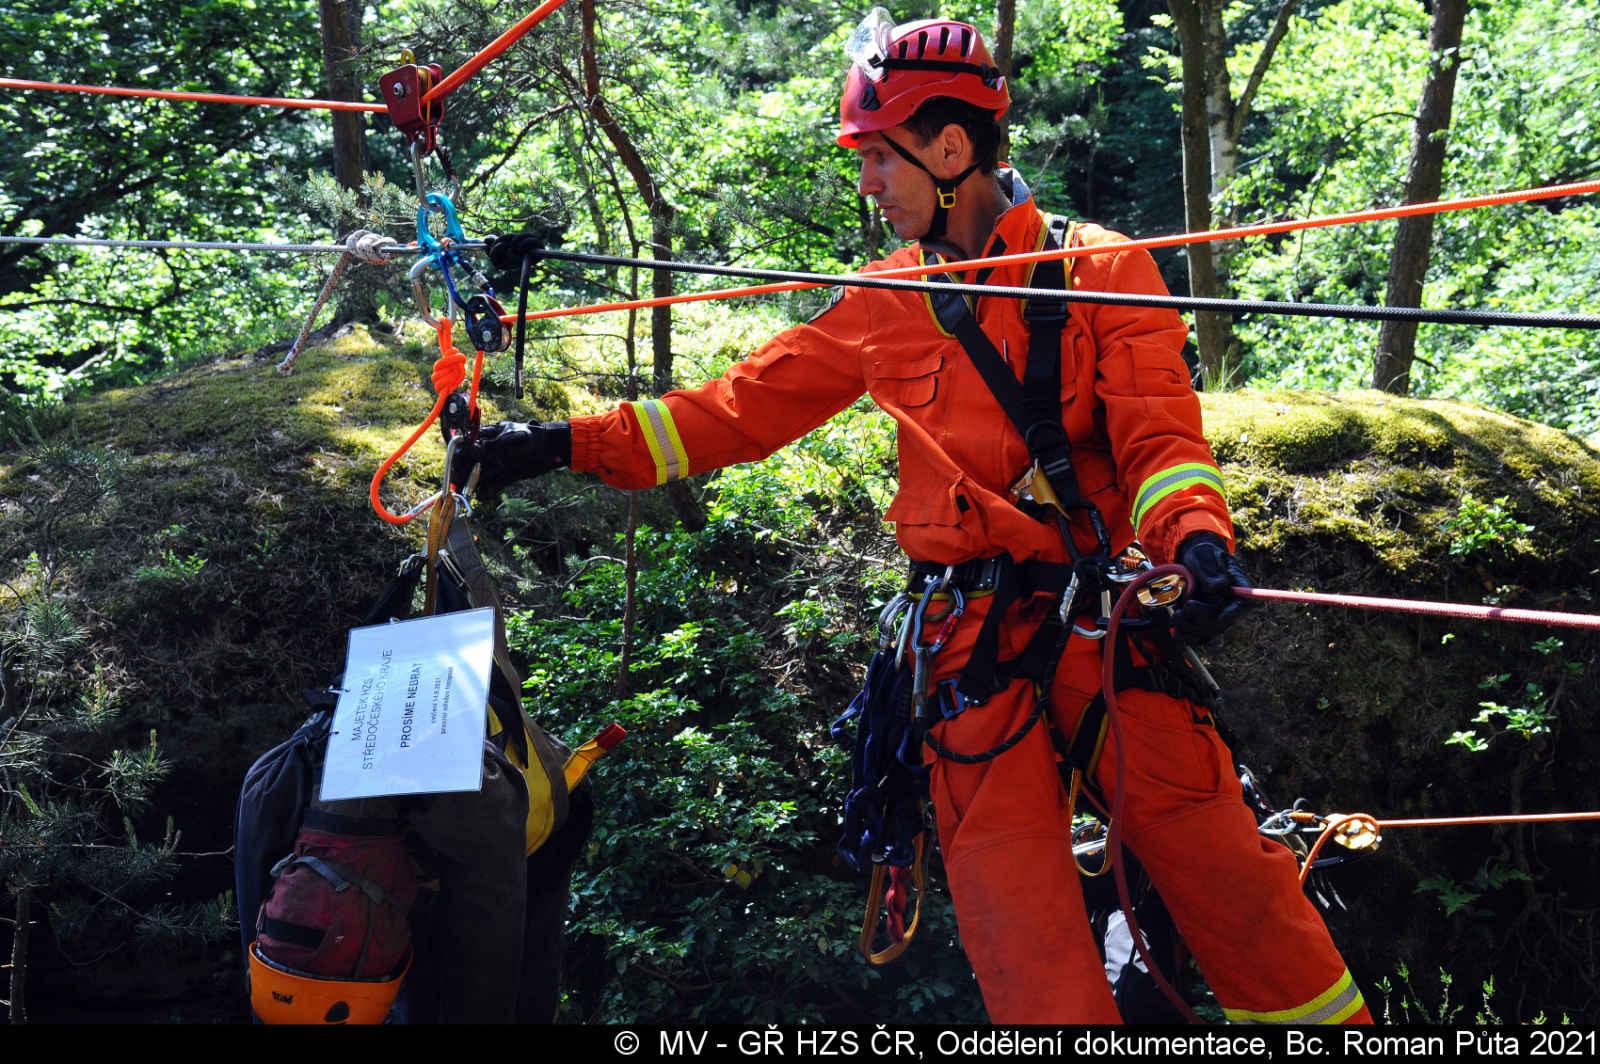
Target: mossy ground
[{"x": 264, "y": 477}]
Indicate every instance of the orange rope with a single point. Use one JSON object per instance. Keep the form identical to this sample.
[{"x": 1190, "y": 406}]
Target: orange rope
[
  {"x": 1333, "y": 825},
  {"x": 208, "y": 97},
  {"x": 495, "y": 48},
  {"x": 1515, "y": 818},
  {"x": 1336, "y": 822},
  {"x": 1237, "y": 233},
  {"x": 449, "y": 370}
]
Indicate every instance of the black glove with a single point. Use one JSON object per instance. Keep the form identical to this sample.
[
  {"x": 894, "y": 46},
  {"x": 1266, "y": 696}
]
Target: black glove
[
  {"x": 1212, "y": 607},
  {"x": 514, "y": 450},
  {"x": 506, "y": 252}
]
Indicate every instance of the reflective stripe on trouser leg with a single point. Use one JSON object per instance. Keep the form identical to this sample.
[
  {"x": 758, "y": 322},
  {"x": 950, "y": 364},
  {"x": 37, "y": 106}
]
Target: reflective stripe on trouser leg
[
  {"x": 1234, "y": 895},
  {"x": 1004, "y": 834}
]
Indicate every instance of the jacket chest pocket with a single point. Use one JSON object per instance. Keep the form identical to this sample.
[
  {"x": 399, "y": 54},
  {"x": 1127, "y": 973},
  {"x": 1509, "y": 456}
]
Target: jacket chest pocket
[{"x": 907, "y": 384}]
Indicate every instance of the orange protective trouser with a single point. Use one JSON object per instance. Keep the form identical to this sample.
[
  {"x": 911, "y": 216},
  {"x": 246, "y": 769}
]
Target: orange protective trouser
[{"x": 1006, "y": 838}]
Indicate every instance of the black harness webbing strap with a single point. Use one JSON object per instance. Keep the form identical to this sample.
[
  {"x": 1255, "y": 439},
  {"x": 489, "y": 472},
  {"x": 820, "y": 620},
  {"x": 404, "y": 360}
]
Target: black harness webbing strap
[
  {"x": 955, "y": 318},
  {"x": 1033, "y": 406},
  {"x": 978, "y": 674},
  {"x": 1013, "y": 583}
]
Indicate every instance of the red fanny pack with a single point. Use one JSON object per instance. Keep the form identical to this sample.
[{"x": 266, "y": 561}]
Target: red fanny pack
[{"x": 337, "y": 906}]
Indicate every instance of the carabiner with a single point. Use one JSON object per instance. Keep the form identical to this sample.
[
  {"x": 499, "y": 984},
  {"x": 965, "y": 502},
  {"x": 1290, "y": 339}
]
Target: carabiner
[
  {"x": 920, "y": 612},
  {"x": 424, "y": 304},
  {"x": 958, "y": 606},
  {"x": 430, "y": 245},
  {"x": 887, "y": 617}
]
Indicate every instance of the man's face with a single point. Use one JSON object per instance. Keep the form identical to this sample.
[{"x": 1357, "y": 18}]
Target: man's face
[{"x": 903, "y": 193}]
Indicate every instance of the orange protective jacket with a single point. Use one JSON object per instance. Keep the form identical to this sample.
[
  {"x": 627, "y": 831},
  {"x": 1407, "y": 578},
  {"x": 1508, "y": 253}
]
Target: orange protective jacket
[{"x": 1127, "y": 406}]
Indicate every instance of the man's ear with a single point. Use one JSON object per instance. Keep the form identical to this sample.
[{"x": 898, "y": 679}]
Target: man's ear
[{"x": 955, "y": 148}]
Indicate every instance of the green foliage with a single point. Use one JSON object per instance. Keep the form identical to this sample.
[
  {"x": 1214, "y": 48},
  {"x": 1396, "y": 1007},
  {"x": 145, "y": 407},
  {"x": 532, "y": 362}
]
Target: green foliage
[
  {"x": 66, "y": 837},
  {"x": 1480, "y": 526},
  {"x": 170, "y": 566},
  {"x": 728, "y": 761},
  {"x": 1457, "y": 896},
  {"x": 103, "y": 166},
  {"x": 1339, "y": 141},
  {"x": 1411, "y": 1001}
]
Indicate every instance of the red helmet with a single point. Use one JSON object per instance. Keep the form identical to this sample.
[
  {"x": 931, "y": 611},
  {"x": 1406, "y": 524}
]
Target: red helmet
[{"x": 895, "y": 69}]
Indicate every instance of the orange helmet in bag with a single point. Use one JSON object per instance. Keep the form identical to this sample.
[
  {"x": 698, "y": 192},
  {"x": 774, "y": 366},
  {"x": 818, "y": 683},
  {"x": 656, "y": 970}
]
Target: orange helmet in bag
[
  {"x": 282, "y": 995},
  {"x": 333, "y": 943}
]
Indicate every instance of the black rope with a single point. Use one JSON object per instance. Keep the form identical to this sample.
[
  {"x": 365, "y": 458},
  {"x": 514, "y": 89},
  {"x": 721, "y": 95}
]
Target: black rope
[
  {"x": 996, "y": 750},
  {"x": 522, "y": 315},
  {"x": 1122, "y": 299}
]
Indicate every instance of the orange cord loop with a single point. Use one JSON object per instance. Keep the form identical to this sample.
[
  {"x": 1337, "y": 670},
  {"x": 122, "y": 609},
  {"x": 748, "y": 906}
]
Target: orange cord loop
[
  {"x": 449, "y": 371},
  {"x": 1337, "y": 825}
]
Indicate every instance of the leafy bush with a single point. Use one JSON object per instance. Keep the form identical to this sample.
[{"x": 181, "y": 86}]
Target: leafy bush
[
  {"x": 728, "y": 773},
  {"x": 1483, "y": 527}
]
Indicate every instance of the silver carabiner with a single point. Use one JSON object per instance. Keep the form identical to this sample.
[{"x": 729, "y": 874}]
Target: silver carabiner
[
  {"x": 418, "y": 289},
  {"x": 449, "y": 456},
  {"x": 422, "y": 181},
  {"x": 422, "y": 507}
]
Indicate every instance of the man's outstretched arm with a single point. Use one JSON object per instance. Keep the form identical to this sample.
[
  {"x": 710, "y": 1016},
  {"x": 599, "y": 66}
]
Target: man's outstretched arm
[{"x": 787, "y": 387}]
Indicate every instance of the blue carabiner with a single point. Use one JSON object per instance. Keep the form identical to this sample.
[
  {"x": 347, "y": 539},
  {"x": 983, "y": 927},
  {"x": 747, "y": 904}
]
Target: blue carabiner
[
  {"x": 450, "y": 282},
  {"x": 452, "y": 229}
]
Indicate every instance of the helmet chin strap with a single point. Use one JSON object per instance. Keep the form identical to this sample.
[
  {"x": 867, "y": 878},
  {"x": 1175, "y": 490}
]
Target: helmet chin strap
[{"x": 944, "y": 187}]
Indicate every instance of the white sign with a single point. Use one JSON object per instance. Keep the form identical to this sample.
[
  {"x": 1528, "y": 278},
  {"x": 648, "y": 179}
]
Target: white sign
[{"x": 412, "y": 713}]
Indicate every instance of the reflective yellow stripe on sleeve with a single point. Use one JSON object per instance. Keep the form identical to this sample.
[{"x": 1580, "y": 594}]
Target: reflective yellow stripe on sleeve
[
  {"x": 661, "y": 434},
  {"x": 1335, "y": 1005},
  {"x": 1164, "y": 483}
]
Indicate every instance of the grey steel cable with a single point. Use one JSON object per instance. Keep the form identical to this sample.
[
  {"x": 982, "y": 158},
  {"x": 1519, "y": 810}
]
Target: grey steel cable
[
  {"x": 1445, "y": 316},
  {"x": 1125, "y": 299},
  {"x": 203, "y": 245}
]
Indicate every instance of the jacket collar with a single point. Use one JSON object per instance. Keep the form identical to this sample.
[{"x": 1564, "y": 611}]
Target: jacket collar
[{"x": 1016, "y": 230}]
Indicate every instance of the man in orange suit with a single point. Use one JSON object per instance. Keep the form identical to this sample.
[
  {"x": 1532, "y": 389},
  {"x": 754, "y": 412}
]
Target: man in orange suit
[{"x": 1100, "y": 400}]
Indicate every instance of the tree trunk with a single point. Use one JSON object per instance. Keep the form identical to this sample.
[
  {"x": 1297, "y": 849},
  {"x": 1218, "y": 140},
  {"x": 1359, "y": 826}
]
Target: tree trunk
[
  {"x": 1213, "y": 122},
  {"x": 630, "y": 558},
  {"x": 1005, "y": 27},
  {"x": 871, "y": 228},
  {"x": 1212, "y": 331},
  {"x": 339, "y": 18},
  {"x": 1413, "y": 238},
  {"x": 662, "y": 215},
  {"x": 1223, "y": 145},
  {"x": 19, "y": 956}
]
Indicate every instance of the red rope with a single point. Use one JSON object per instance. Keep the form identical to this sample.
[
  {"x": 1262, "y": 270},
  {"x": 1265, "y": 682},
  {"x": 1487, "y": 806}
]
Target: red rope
[
  {"x": 1108, "y": 688},
  {"x": 1438, "y": 609},
  {"x": 208, "y": 97},
  {"x": 495, "y": 48},
  {"x": 1340, "y": 820},
  {"x": 1238, "y": 232}
]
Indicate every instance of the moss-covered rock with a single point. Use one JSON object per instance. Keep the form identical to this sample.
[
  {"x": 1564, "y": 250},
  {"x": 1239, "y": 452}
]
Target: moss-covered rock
[{"x": 1362, "y": 492}]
